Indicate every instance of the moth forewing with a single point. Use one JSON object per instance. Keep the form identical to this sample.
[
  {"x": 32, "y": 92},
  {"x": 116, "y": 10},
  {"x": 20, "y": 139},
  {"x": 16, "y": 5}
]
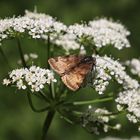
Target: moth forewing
[
  {"x": 74, "y": 70},
  {"x": 63, "y": 64}
]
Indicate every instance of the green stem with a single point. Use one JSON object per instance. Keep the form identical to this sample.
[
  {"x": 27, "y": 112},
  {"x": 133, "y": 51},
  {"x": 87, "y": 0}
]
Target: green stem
[
  {"x": 47, "y": 124},
  {"x": 78, "y": 113},
  {"x": 5, "y": 57},
  {"x": 51, "y": 112},
  {"x": 42, "y": 94},
  {"x": 52, "y": 89},
  {"x": 39, "y": 96},
  {"x": 48, "y": 66},
  {"x": 48, "y": 51},
  {"x": 32, "y": 107},
  {"x": 115, "y": 113},
  {"x": 79, "y": 49},
  {"x": 92, "y": 101},
  {"x": 65, "y": 118},
  {"x": 21, "y": 53}
]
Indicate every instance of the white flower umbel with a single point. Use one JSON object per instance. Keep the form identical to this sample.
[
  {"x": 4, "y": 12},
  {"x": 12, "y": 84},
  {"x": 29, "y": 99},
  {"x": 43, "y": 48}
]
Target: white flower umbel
[
  {"x": 97, "y": 120},
  {"x": 34, "y": 24},
  {"x": 106, "y": 32},
  {"x": 130, "y": 100},
  {"x": 34, "y": 78},
  {"x": 134, "y": 66},
  {"x": 107, "y": 69},
  {"x": 98, "y": 33}
]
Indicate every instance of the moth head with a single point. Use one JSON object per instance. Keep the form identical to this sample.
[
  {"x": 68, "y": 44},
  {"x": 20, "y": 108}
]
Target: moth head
[{"x": 89, "y": 60}]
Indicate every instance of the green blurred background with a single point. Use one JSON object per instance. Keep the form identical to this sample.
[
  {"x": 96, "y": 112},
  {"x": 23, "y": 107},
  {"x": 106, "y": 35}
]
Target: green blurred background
[{"x": 17, "y": 121}]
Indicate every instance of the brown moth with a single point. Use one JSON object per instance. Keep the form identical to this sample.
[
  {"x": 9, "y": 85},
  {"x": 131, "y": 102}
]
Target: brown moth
[{"x": 72, "y": 69}]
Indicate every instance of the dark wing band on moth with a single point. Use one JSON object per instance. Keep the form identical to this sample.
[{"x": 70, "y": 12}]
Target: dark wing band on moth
[{"x": 61, "y": 64}]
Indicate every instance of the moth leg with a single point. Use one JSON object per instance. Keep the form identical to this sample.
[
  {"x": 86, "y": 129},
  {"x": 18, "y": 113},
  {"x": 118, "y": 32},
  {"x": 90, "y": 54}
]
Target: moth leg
[
  {"x": 94, "y": 74},
  {"x": 90, "y": 77},
  {"x": 87, "y": 80}
]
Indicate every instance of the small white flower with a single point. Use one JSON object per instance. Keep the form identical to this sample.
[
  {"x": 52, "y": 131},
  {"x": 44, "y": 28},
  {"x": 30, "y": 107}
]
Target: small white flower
[
  {"x": 54, "y": 80},
  {"x": 26, "y": 57},
  {"x": 119, "y": 107},
  {"x": 24, "y": 87},
  {"x": 139, "y": 128},
  {"x": 117, "y": 126},
  {"x": 132, "y": 118},
  {"x": 6, "y": 82},
  {"x": 19, "y": 84},
  {"x": 106, "y": 127},
  {"x": 135, "y": 66},
  {"x": 33, "y": 55},
  {"x": 89, "y": 107}
]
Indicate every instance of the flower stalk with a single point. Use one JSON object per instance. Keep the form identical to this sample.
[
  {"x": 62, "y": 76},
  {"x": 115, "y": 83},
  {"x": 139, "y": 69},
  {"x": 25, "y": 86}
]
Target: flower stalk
[
  {"x": 48, "y": 51},
  {"x": 47, "y": 124},
  {"x": 32, "y": 106},
  {"x": 21, "y": 53},
  {"x": 51, "y": 112},
  {"x": 4, "y": 57},
  {"x": 92, "y": 101}
]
